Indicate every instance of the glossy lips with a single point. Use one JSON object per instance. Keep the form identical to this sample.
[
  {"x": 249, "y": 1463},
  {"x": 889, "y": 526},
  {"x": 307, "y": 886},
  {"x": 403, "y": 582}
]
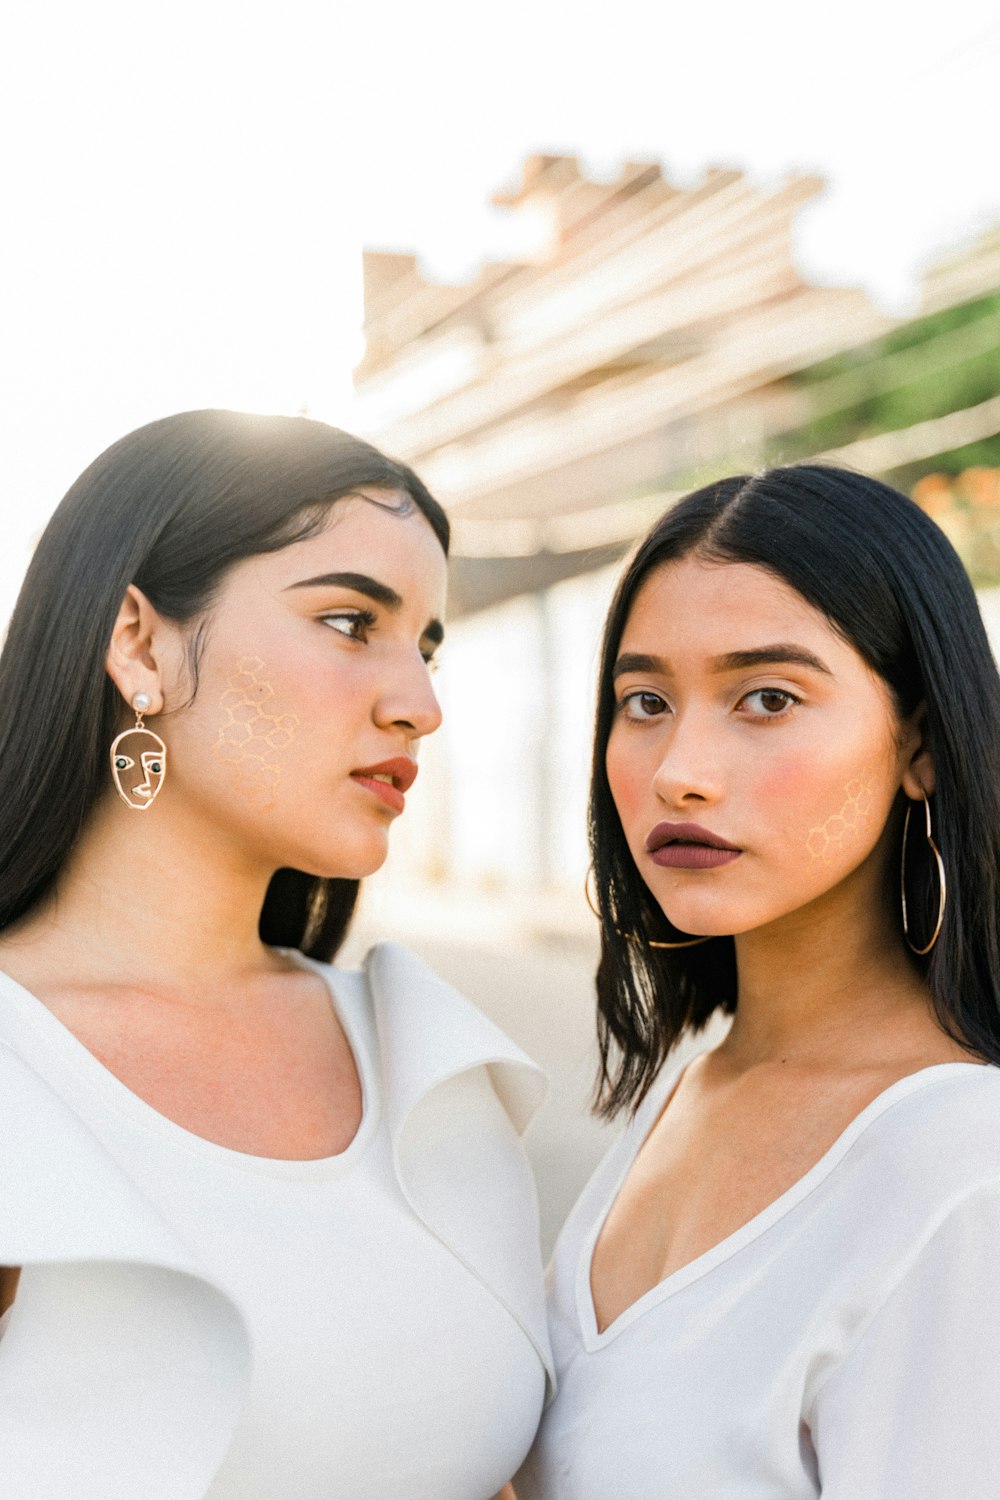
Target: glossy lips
[
  {"x": 688, "y": 846},
  {"x": 389, "y": 780}
]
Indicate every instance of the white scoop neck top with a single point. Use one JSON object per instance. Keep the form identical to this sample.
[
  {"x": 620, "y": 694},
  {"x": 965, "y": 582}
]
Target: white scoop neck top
[
  {"x": 385, "y": 1355},
  {"x": 843, "y": 1343}
]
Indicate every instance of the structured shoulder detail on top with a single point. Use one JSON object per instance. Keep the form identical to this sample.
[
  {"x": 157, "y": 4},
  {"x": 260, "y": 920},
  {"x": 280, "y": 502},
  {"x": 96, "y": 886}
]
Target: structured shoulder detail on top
[
  {"x": 435, "y": 1033},
  {"x": 152, "y": 1360},
  {"x": 457, "y": 1093}
]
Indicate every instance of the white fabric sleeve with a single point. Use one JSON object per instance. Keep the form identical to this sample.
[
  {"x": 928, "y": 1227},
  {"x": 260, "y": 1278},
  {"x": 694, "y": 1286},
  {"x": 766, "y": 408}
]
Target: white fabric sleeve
[{"x": 912, "y": 1412}]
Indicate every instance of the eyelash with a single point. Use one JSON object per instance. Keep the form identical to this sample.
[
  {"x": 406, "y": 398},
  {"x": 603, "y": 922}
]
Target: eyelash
[
  {"x": 791, "y": 702},
  {"x": 366, "y": 619}
]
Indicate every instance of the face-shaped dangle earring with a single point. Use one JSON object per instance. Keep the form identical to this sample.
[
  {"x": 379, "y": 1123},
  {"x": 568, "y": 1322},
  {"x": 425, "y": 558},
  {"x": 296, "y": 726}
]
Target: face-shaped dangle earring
[{"x": 139, "y": 760}]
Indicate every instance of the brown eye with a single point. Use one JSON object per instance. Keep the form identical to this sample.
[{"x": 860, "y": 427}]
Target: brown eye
[
  {"x": 770, "y": 703},
  {"x": 641, "y": 706}
]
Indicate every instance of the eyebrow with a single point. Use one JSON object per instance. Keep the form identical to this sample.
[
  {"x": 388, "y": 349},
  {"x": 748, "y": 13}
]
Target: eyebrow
[
  {"x": 359, "y": 582},
  {"x": 381, "y": 593},
  {"x": 780, "y": 654}
]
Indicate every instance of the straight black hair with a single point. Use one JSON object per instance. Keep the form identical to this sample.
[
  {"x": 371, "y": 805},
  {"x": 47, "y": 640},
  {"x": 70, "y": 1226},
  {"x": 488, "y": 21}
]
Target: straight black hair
[
  {"x": 890, "y": 582},
  {"x": 170, "y": 508}
]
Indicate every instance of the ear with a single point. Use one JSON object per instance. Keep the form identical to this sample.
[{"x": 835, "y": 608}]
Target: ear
[
  {"x": 918, "y": 762},
  {"x": 134, "y": 661}
]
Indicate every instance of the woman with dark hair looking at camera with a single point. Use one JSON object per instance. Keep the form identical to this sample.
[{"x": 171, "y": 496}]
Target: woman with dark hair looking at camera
[
  {"x": 267, "y": 1227},
  {"x": 783, "y": 1280}
]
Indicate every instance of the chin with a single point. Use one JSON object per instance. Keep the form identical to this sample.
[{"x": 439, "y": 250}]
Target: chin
[
  {"x": 735, "y": 925},
  {"x": 707, "y": 924},
  {"x": 347, "y": 864}
]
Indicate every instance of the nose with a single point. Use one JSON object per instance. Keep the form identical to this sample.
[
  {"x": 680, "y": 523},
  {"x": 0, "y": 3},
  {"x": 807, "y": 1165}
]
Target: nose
[
  {"x": 688, "y": 771},
  {"x": 409, "y": 701}
]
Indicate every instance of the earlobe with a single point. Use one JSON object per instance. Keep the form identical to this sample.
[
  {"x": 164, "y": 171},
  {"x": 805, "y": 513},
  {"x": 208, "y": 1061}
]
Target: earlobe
[{"x": 918, "y": 779}]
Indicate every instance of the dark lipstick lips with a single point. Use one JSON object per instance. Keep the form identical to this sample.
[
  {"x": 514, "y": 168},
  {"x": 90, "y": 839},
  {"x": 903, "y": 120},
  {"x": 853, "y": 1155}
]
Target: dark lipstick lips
[
  {"x": 688, "y": 846},
  {"x": 685, "y": 833}
]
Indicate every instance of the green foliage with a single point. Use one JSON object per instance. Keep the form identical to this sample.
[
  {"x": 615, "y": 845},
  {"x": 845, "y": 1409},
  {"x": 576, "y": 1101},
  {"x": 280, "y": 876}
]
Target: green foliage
[{"x": 936, "y": 364}]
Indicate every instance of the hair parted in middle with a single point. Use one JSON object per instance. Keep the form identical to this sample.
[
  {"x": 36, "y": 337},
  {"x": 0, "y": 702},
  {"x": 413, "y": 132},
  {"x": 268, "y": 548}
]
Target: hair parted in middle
[{"x": 893, "y": 587}]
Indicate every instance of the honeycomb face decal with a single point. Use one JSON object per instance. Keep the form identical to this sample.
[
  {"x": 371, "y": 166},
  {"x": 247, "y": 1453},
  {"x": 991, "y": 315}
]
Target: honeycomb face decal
[
  {"x": 830, "y": 838},
  {"x": 251, "y": 735}
]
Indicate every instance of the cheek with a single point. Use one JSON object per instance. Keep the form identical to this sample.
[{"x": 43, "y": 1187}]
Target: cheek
[
  {"x": 783, "y": 783},
  {"x": 847, "y": 826},
  {"x": 825, "y": 801},
  {"x": 254, "y": 732},
  {"x": 629, "y": 777}
]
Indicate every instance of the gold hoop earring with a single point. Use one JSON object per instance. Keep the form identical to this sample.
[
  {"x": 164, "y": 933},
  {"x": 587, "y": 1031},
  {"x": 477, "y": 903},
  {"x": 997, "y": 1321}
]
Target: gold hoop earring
[
  {"x": 630, "y": 937},
  {"x": 139, "y": 760},
  {"x": 644, "y": 942},
  {"x": 942, "y": 884}
]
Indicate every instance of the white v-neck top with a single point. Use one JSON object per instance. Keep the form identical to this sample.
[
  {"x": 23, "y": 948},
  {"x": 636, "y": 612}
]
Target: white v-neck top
[
  {"x": 382, "y": 1367},
  {"x": 844, "y": 1343}
]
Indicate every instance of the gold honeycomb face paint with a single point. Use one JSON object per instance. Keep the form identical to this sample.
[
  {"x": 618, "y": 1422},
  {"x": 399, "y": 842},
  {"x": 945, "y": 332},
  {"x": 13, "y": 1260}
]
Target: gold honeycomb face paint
[
  {"x": 829, "y": 839},
  {"x": 252, "y": 736}
]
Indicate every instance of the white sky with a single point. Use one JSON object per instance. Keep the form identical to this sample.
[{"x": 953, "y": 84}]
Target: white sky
[{"x": 185, "y": 187}]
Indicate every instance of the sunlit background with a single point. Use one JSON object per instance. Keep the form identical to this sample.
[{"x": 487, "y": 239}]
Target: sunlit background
[
  {"x": 612, "y": 251},
  {"x": 186, "y": 188}
]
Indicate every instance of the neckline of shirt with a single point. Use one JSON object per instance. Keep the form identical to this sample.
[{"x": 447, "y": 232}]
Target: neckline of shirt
[
  {"x": 625, "y": 1152},
  {"x": 115, "y": 1094}
]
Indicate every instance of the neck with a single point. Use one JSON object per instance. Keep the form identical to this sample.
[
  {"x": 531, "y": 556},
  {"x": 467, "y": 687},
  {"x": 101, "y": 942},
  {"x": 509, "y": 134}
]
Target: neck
[
  {"x": 165, "y": 894},
  {"x": 831, "y": 982}
]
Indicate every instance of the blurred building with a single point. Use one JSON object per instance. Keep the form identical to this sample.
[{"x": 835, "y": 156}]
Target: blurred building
[{"x": 659, "y": 338}]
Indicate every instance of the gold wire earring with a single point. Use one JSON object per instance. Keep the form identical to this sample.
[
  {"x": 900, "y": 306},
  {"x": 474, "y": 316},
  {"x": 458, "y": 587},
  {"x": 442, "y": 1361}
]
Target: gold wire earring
[
  {"x": 139, "y": 760},
  {"x": 644, "y": 942},
  {"x": 942, "y": 884},
  {"x": 630, "y": 937}
]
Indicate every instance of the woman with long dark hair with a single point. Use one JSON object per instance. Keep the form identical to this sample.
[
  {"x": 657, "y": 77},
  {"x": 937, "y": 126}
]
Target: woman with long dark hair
[
  {"x": 782, "y": 1282},
  {"x": 267, "y": 1227}
]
